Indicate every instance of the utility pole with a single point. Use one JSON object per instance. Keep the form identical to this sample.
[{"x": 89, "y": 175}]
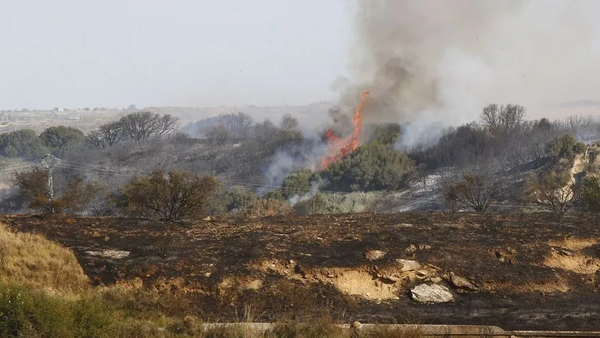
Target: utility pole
[{"x": 50, "y": 161}]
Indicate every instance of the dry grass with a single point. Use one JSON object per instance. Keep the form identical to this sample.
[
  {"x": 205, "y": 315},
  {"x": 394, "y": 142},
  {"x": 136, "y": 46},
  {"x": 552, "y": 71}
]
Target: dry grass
[
  {"x": 574, "y": 243},
  {"x": 577, "y": 263},
  {"x": 32, "y": 259}
]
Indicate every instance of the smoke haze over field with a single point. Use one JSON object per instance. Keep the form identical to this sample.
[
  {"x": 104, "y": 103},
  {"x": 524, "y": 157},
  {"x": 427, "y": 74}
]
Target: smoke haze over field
[{"x": 438, "y": 60}]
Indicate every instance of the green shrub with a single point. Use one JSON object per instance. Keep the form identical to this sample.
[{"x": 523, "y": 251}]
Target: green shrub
[
  {"x": 29, "y": 313},
  {"x": 337, "y": 203},
  {"x": 591, "y": 194},
  {"x": 372, "y": 167},
  {"x": 62, "y": 140},
  {"x": 169, "y": 196},
  {"x": 21, "y": 143},
  {"x": 234, "y": 200},
  {"x": 564, "y": 147}
]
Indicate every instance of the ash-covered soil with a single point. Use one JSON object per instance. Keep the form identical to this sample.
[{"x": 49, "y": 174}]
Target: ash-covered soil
[{"x": 529, "y": 271}]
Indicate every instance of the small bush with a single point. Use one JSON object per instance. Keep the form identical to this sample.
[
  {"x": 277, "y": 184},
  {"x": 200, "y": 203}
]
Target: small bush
[
  {"x": 338, "y": 203},
  {"x": 476, "y": 190},
  {"x": 268, "y": 207},
  {"x": 552, "y": 191},
  {"x": 235, "y": 200},
  {"x": 33, "y": 187}
]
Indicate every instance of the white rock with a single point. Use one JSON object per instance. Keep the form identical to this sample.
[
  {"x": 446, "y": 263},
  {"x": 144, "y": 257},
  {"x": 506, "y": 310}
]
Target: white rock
[
  {"x": 409, "y": 265},
  {"x": 114, "y": 254},
  {"x": 373, "y": 255},
  {"x": 431, "y": 294}
]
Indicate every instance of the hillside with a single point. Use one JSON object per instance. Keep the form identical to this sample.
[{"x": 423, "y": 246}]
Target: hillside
[{"x": 517, "y": 272}]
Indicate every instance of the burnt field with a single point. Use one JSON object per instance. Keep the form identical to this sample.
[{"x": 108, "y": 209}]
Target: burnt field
[{"x": 514, "y": 271}]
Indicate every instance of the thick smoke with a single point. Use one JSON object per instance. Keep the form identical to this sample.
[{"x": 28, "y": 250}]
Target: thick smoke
[
  {"x": 435, "y": 63},
  {"x": 428, "y": 61}
]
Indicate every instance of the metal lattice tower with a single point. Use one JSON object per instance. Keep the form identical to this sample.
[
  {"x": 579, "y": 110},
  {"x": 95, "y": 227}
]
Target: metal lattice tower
[{"x": 50, "y": 161}]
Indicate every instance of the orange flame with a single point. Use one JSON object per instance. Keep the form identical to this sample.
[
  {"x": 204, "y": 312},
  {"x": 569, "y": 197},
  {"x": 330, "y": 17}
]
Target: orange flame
[{"x": 340, "y": 147}]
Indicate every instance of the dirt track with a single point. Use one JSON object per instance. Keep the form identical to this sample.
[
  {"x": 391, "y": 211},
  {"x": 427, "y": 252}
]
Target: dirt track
[{"x": 524, "y": 271}]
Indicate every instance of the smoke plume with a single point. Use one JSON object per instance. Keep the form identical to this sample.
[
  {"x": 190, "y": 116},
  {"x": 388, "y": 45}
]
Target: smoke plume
[
  {"x": 427, "y": 61},
  {"x": 435, "y": 63}
]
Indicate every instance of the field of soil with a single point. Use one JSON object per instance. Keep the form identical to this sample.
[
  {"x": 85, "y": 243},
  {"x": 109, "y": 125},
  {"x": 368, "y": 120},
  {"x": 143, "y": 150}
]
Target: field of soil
[{"x": 529, "y": 271}]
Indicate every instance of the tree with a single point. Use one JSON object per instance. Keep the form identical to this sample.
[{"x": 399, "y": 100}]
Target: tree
[
  {"x": 33, "y": 187},
  {"x": 289, "y": 127},
  {"x": 21, "y": 143},
  {"x": 142, "y": 126},
  {"x": 477, "y": 190},
  {"x": 62, "y": 140},
  {"x": 553, "y": 191},
  {"x": 171, "y": 196},
  {"x": 298, "y": 182},
  {"x": 370, "y": 167},
  {"x": 563, "y": 147},
  {"x": 218, "y": 134},
  {"x": 107, "y": 135},
  {"x": 266, "y": 131},
  {"x": 591, "y": 194},
  {"x": 503, "y": 118},
  {"x": 239, "y": 125}
]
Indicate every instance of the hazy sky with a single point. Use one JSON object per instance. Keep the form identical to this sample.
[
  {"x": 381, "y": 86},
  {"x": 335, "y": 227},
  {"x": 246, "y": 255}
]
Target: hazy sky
[{"x": 78, "y": 53}]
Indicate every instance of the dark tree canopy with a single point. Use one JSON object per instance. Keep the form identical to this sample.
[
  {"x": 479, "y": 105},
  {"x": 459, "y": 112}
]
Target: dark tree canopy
[
  {"x": 62, "y": 140},
  {"x": 370, "y": 167},
  {"x": 21, "y": 143}
]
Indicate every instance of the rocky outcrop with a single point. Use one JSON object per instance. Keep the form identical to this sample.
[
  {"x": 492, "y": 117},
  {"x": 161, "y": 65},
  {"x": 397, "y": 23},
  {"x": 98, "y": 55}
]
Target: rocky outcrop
[
  {"x": 431, "y": 294},
  {"x": 460, "y": 282}
]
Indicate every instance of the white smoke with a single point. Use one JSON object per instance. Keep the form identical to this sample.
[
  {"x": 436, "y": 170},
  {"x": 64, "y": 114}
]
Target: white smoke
[
  {"x": 443, "y": 61},
  {"x": 435, "y": 63}
]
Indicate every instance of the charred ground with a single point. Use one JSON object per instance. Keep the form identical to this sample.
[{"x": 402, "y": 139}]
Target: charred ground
[{"x": 530, "y": 271}]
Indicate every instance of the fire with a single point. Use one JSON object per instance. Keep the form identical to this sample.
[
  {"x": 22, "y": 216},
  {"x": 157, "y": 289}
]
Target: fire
[{"x": 340, "y": 147}]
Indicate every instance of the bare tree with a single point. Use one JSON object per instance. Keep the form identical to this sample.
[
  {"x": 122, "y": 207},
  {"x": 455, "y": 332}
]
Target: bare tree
[
  {"x": 218, "y": 134},
  {"x": 239, "y": 125},
  {"x": 289, "y": 127},
  {"x": 477, "y": 190},
  {"x": 142, "y": 126},
  {"x": 266, "y": 131},
  {"x": 505, "y": 118},
  {"x": 511, "y": 116},
  {"x": 553, "y": 191},
  {"x": 491, "y": 116},
  {"x": 107, "y": 135}
]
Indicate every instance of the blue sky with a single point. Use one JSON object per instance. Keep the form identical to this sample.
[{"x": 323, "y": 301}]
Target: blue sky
[{"x": 78, "y": 53}]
